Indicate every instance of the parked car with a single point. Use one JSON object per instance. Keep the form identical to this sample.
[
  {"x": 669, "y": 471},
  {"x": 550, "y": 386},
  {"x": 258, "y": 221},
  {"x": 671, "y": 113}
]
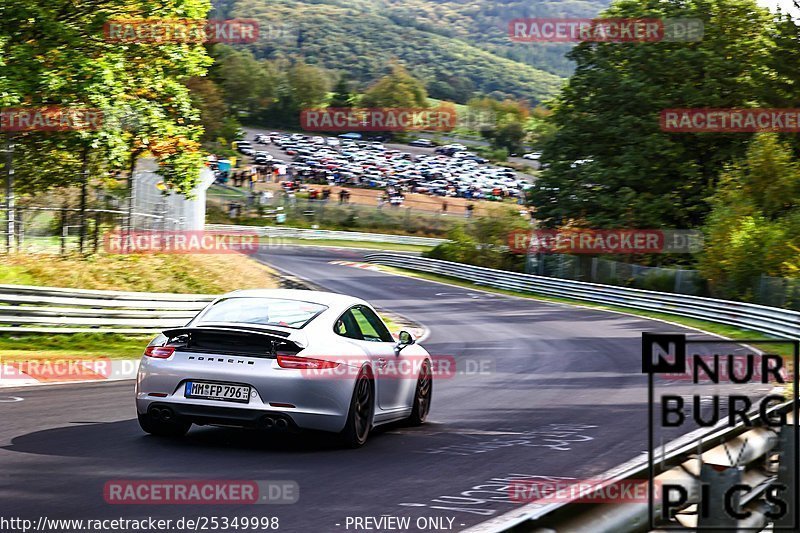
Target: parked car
[{"x": 424, "y": 143}]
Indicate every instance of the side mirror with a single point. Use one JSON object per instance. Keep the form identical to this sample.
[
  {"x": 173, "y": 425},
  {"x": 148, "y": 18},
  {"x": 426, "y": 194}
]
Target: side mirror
[{"x": 405, "y": 339}]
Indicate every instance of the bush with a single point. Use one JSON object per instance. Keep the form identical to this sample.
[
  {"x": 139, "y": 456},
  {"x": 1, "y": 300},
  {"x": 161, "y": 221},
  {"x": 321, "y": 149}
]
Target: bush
[{"x": 483, "y": 242}]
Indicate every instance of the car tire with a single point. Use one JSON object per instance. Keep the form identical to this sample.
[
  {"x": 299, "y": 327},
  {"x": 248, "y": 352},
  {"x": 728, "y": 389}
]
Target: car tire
[
  {"x": 359, "y": 417},
  {"x": 422, "y": 396},
  {"x": 160, "y": 428}
]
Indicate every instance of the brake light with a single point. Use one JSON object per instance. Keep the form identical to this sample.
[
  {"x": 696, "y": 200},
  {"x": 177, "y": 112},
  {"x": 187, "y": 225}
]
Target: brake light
[
  {"x": 159, "y": 352},
  {"x": 292, "y": 361}
]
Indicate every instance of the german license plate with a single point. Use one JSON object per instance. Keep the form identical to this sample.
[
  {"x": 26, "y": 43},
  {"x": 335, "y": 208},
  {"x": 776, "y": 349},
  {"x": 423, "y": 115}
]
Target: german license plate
[{"x": 217, "y": 391}]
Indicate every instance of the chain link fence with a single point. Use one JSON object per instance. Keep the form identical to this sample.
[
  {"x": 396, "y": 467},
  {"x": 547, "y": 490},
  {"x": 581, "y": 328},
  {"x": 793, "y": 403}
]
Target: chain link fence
[
  {"x": 54, "y": 221},
  {"x": 63, "y": 230},
  {"x": 778, "y": 292},
  {"x": 608, "y": 272},
  {"x": 771, "y": 291}
]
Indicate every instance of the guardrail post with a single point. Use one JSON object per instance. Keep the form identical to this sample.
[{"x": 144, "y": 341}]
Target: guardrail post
[
  {"x": 678, "y": 281},
  {"x": 64, "y": 230},
  {"x": 96, "y": 232},
  {"x": 787, "y": 475},
  {"x": 20, "y": 236},
  {"x": 711, "y": 509}
]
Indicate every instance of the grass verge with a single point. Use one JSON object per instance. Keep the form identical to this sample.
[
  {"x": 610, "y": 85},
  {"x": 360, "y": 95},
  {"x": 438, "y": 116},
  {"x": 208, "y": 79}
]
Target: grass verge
[
  {"x": 185, "y": 273},
  {"x": 177, "y": 273},
  {"x": 335, "y": 243},
  {"x": 72, "y": 346}
]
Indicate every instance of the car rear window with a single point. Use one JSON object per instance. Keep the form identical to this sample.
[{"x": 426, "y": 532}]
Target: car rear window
[{"x": 266, "y": 311}]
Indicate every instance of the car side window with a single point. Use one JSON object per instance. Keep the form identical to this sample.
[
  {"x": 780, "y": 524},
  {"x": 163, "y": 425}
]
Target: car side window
[
  {"x": 372, "y": 327},
  {"x": 347, "y": 326}
]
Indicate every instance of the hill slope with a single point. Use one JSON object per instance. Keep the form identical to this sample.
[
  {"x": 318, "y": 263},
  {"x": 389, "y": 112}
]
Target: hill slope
[{"x": 455, "y": 46}]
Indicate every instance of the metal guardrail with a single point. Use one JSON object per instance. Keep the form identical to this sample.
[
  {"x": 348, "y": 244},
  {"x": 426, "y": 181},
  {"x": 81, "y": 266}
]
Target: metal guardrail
[
  {"x": 770, "y": 320},
  {"x": 320, "y": 234},
  {"x": 30, "y": 309}
]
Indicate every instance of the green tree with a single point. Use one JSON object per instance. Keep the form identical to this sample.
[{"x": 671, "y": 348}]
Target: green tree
[
  {"x": 55, "y": 54},
  {"x": 209, "y": 100},
  {"x": 309, "y": 85},
  {"x": 342, "y": 93},
  {"x": 754, "y": 225},
  {"x": 610, "y": 163},
  {"x": 248, "y": 84},
  {"x": 397, "y": 89},
  {"x": 508, "y": 136},
  {"x": 484, "y": 241}
]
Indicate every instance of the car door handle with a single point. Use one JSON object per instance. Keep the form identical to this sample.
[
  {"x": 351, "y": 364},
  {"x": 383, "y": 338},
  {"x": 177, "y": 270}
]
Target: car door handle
[{"x": 382, "y": 362}]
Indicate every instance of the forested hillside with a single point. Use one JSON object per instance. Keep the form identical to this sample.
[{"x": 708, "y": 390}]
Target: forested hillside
[{"x": 458, "y": 48}]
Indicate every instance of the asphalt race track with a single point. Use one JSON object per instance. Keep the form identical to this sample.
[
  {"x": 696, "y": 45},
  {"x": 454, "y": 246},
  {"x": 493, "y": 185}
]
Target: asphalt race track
[{"x": 551, "y": 390}]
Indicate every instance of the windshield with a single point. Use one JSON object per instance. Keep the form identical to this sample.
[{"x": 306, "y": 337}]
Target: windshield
[{"x": 263, "y": 311}]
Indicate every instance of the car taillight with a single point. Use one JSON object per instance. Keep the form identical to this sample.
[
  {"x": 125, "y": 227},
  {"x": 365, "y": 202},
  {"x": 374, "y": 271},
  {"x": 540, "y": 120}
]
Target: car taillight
[
  {"x": 159, "y": 352},
  {"x": 292, "y": 361}
]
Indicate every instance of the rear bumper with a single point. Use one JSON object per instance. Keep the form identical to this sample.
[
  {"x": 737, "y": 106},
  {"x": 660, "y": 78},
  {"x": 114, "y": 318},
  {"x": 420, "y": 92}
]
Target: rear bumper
[
  {"x": 319, "y": 404},
  {"x": 209, "y": 412},
  {"x": 220, "y": 415}
]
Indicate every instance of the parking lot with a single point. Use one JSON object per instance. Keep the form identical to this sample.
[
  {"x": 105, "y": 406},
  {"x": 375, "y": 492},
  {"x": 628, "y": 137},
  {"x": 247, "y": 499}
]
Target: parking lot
[{"x": 397, "y": 173}]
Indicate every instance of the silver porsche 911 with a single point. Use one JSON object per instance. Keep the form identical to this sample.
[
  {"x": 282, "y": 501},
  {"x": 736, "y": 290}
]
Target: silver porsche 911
[{"x": 281, "y": 360}]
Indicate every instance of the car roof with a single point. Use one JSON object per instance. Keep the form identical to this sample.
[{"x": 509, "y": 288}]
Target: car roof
[{"x": 331, "y": 299}]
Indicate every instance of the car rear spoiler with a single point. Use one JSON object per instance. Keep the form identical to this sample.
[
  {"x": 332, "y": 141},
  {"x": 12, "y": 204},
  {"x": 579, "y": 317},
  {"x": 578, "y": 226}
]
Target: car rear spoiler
[{"x": 296, "y": 338}]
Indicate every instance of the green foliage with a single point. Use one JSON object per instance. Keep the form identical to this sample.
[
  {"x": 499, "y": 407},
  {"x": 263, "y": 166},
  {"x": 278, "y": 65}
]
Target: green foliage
[
  {"x": 483, "y": 241},
  {"x": 458, "y": 48},
  {"x": 309, "y": 85},
  {"x": 540, "y": 128},
  {"x": 634, "y": 174},
  {"x": 53, "y": 53},
  {"x": 209, "y": 100},
  {"x": 508, "y": 137},
  {"x": 397, "y": 89},
  {"x": 754, "y": 226},
  {"x": 248, "y": 85},
  {"x": 495, "y": 154},
  {"x": 342, "y": 93}
]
